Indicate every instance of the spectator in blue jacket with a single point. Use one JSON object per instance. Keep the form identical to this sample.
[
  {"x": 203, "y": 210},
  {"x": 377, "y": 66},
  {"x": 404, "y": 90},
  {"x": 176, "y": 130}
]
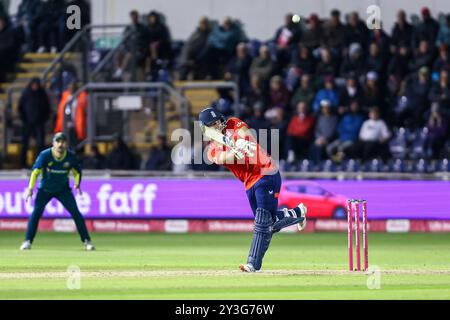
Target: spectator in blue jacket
[
  {"x": 348, "y": 131},
  {"x": 220, "y": 47},
  {"x": 327, "y": 93}
]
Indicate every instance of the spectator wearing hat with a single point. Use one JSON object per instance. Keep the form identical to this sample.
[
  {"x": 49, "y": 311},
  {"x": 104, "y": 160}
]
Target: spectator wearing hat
[
  {"x": 354, "y": 63},
  {"x": 373, "y": 138},
  {"x": 312, "y": 36},
  {"x": 424, "y": 57},
  {"x": 347, "y": 131},
  {"x": 300, "y": 132},
  {"x": 324, "y": 133},
  {"x": 34, "y": 111},
  {"x": 402, "y": 31},
  {"x": 444, "y": 33},
  {"x": 427, "y": 30},
  {"x": 328, "y": 93}
]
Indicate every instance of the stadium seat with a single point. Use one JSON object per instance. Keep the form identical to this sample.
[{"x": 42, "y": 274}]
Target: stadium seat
[
  {"x": 418, "y": 144},
  {"x": 327, "y": 166},
  {"x": 351, "y": 165},
  {"x": 396, "y": 165},
  {"x": 374, "y": 165},
  {"x": 420, "y": 166},
  {"x": 443, "y": 165},
  {"x": 399, "y": 142},
  {"x": 305, "y": 165}
]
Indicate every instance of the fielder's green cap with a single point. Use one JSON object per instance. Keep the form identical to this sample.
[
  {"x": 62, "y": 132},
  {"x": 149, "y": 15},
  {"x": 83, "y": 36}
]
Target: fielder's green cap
[{"x": 60, "y": 136}]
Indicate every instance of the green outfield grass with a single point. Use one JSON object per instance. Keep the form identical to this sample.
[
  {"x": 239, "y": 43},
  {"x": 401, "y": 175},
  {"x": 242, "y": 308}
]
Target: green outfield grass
[{"x": 205, "y": 266}]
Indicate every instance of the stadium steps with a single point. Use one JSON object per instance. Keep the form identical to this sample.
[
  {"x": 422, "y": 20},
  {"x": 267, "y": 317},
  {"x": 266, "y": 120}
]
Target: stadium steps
[
  {"x": 40, "y": 57},
  {"x": 30, "y": 66},
  {"x": 33, "y": 66},
  {"x": 198, "y": 98}
]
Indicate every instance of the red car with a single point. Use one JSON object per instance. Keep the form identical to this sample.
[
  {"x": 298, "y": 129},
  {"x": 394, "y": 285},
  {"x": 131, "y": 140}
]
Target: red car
[{"x": 321, "y": 203}]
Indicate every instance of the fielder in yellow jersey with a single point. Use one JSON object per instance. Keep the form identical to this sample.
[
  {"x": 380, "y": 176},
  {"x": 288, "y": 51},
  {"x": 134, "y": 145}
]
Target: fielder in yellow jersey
[{"x": 54, "y": 165}]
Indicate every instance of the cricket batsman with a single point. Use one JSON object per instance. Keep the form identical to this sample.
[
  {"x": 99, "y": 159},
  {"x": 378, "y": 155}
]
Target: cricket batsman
[
  {"x": 55, "y": 165},
  {"x": 242, "y": 155}
]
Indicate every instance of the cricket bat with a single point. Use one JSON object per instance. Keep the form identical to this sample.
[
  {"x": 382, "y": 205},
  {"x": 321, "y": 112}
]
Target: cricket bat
[{"x": 223, "y": 140}]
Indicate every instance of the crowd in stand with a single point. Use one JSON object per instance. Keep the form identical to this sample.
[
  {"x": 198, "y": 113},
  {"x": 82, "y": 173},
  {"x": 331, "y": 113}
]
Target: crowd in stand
[
  {"x": 39, "y": 26},
  {"x": 335, "y": 90},
  {"x": 333, "y": 87}
]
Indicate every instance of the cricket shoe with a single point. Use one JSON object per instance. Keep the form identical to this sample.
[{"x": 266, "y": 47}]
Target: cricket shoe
[
  {"x": 248, "y": 267},
  {"x": 89, "y": 246},
  {"x": 303, "y": 210},
  {"x": 26, "y": 245},
  {"x": 300, "y": 213}
]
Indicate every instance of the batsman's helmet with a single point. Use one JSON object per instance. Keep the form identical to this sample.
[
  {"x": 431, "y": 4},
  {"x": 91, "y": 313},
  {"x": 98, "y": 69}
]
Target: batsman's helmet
[{"x": 209, "y": 115}]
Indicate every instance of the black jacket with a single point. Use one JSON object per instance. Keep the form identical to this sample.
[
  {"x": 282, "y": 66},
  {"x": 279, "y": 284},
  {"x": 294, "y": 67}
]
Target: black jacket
[
  {"x": 34, "y": 107},
  {"x": 159, "y": 159}
]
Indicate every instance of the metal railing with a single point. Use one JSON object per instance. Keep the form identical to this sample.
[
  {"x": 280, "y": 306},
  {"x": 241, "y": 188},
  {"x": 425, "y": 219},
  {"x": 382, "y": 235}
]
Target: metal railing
[
  {"x": 83, "y": 37},
  {"x": 162, "y": 89},
  {"x": 437, "y": 176},
  {"x": 198, "y": 85}
]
